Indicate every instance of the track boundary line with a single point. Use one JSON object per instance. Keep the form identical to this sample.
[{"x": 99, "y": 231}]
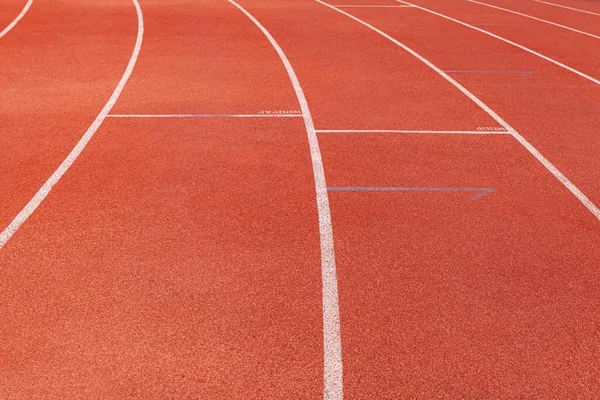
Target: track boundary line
[
  {"x": 527, "y": 49},
  {"x": 43, "y": 192},
  {"x": 479, "y": 132},
  {"x": 587, "y": 203},
  {"x": 570, "y": 8},
  {"x": 332, "y": 345},
  {"x": 204, "y": 116},
  {"x": 536, "y": 18},
  {"x": 17, "y": 18}
]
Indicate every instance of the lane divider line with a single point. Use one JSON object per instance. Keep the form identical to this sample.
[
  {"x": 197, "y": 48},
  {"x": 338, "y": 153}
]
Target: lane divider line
[
  {"x": 477, "y": 192},
  {"x": 332, "y": 345},
  {"x": 587, "y": 203},
  {"x": 570, "y": 8},
  {"x": 536, "y": 19},
  {"x": 43, "y": 192},
  {"x": 17, "y": 18},
  {"x": 204, "y": 116},
  {"x": 499, "y": 131},
  {"x": 527, "y": 49}
]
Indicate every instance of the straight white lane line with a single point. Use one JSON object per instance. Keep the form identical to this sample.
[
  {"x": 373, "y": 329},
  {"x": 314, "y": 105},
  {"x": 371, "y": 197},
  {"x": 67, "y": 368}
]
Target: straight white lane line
[
  {"x": 17, "y": 19},
  {"x": 204, "y": 116},
  {"x": 332, "y": 345},
  {"x": 536, "y": 18},
  {"x": 587, "y": 203},
  {"x": 569, "y": 8},
  {"x": 553, "y": 61},
  {"x": 41, "y": 194},
  {"x": 496, "y": 132}
]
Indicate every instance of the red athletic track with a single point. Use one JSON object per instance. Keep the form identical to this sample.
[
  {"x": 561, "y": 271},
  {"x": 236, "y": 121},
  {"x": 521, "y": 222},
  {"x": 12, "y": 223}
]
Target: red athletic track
[{"x": 179, "y": 258}]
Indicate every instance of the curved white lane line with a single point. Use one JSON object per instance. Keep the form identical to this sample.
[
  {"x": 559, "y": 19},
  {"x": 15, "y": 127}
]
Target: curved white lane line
[
  {"x": 17, "y": 19},
  {"x": 332, "y": 345},
  {"x": 569, "y": 8},
  {"x": 549, "y": 166},
  {"x": 535, "y": 53},
  {"x": 66, "y": 164},
  {"x": 535, "y": 18}
]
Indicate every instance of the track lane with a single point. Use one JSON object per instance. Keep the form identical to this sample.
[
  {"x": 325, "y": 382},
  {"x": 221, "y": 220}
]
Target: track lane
[
  {"x": 424, "y": 278},
  {"x": 179, "y": 257},
  {"x": 49, "y": 98},
  {"x": 349, "y": 89},
  {"x": 584, "y": 22},
  {"x": 567, "y": 50},
  {"x": 549, "y": 107},
  {"x": 576, "y": 5},
  {"x": 178, "y": 64}
]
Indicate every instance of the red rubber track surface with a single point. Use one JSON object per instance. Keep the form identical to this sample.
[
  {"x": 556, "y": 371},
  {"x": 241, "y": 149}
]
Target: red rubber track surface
[{"x": 180, "y": 258}]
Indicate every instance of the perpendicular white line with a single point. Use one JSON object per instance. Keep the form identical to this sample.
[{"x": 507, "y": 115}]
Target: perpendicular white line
[
  {"x": 17, "y": 18},
  {"x": 553, "y": 61},
  {"x": 332, "y": 345},
  {"x": 204, "y": 116},
  {"x": 481, "y": 132},
  {"x": 587, "y": 203},
  {"x": 536, "y": 19},
  {"x": 43, "y": 192},
  {"x": 569, "y": 8}
]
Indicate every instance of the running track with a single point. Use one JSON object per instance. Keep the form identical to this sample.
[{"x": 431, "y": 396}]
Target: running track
[{"x": 290, "y": 199}]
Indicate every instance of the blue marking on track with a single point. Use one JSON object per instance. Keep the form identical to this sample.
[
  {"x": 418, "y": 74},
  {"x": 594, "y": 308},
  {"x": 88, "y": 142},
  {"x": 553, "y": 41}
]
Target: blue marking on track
[
  {"x": 477, "y": 192},
  {"x": 476, "y": 71}
]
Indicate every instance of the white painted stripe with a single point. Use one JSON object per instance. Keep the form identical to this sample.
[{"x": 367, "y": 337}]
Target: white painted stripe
[
  {"x": 17, "y": 19},
  {"x": 570, "y": 8},
  {"x": 332, "y": 345},
  {"x": 553, "y": 61},
  {"x": 480, "y": 132},
  {"x": 204, "y": 116},
  {"x": 41, "y": 194},
  {"x": 543, "y": 160},
  {"x": 373, "y": 6},
  {"x": 536, "y": 18}
]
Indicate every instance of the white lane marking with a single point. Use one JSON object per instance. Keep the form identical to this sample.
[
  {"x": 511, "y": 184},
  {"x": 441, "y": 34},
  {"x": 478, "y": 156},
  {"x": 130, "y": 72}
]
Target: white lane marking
[
  {"x": 587, "y": 203},
  {"x": 204, "y": 116},
  {"x": 373, "y": 6},
  {"x": 41, "y": 194},
  {"x": 478, "y": 132},
  {"x": 553, "y": 61},
  {"x": 570, "y": 8},
  {"x": 332, "y": 345},
  {"x": 535, "y": 18},
  {"x": 17, "y": 19}
]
